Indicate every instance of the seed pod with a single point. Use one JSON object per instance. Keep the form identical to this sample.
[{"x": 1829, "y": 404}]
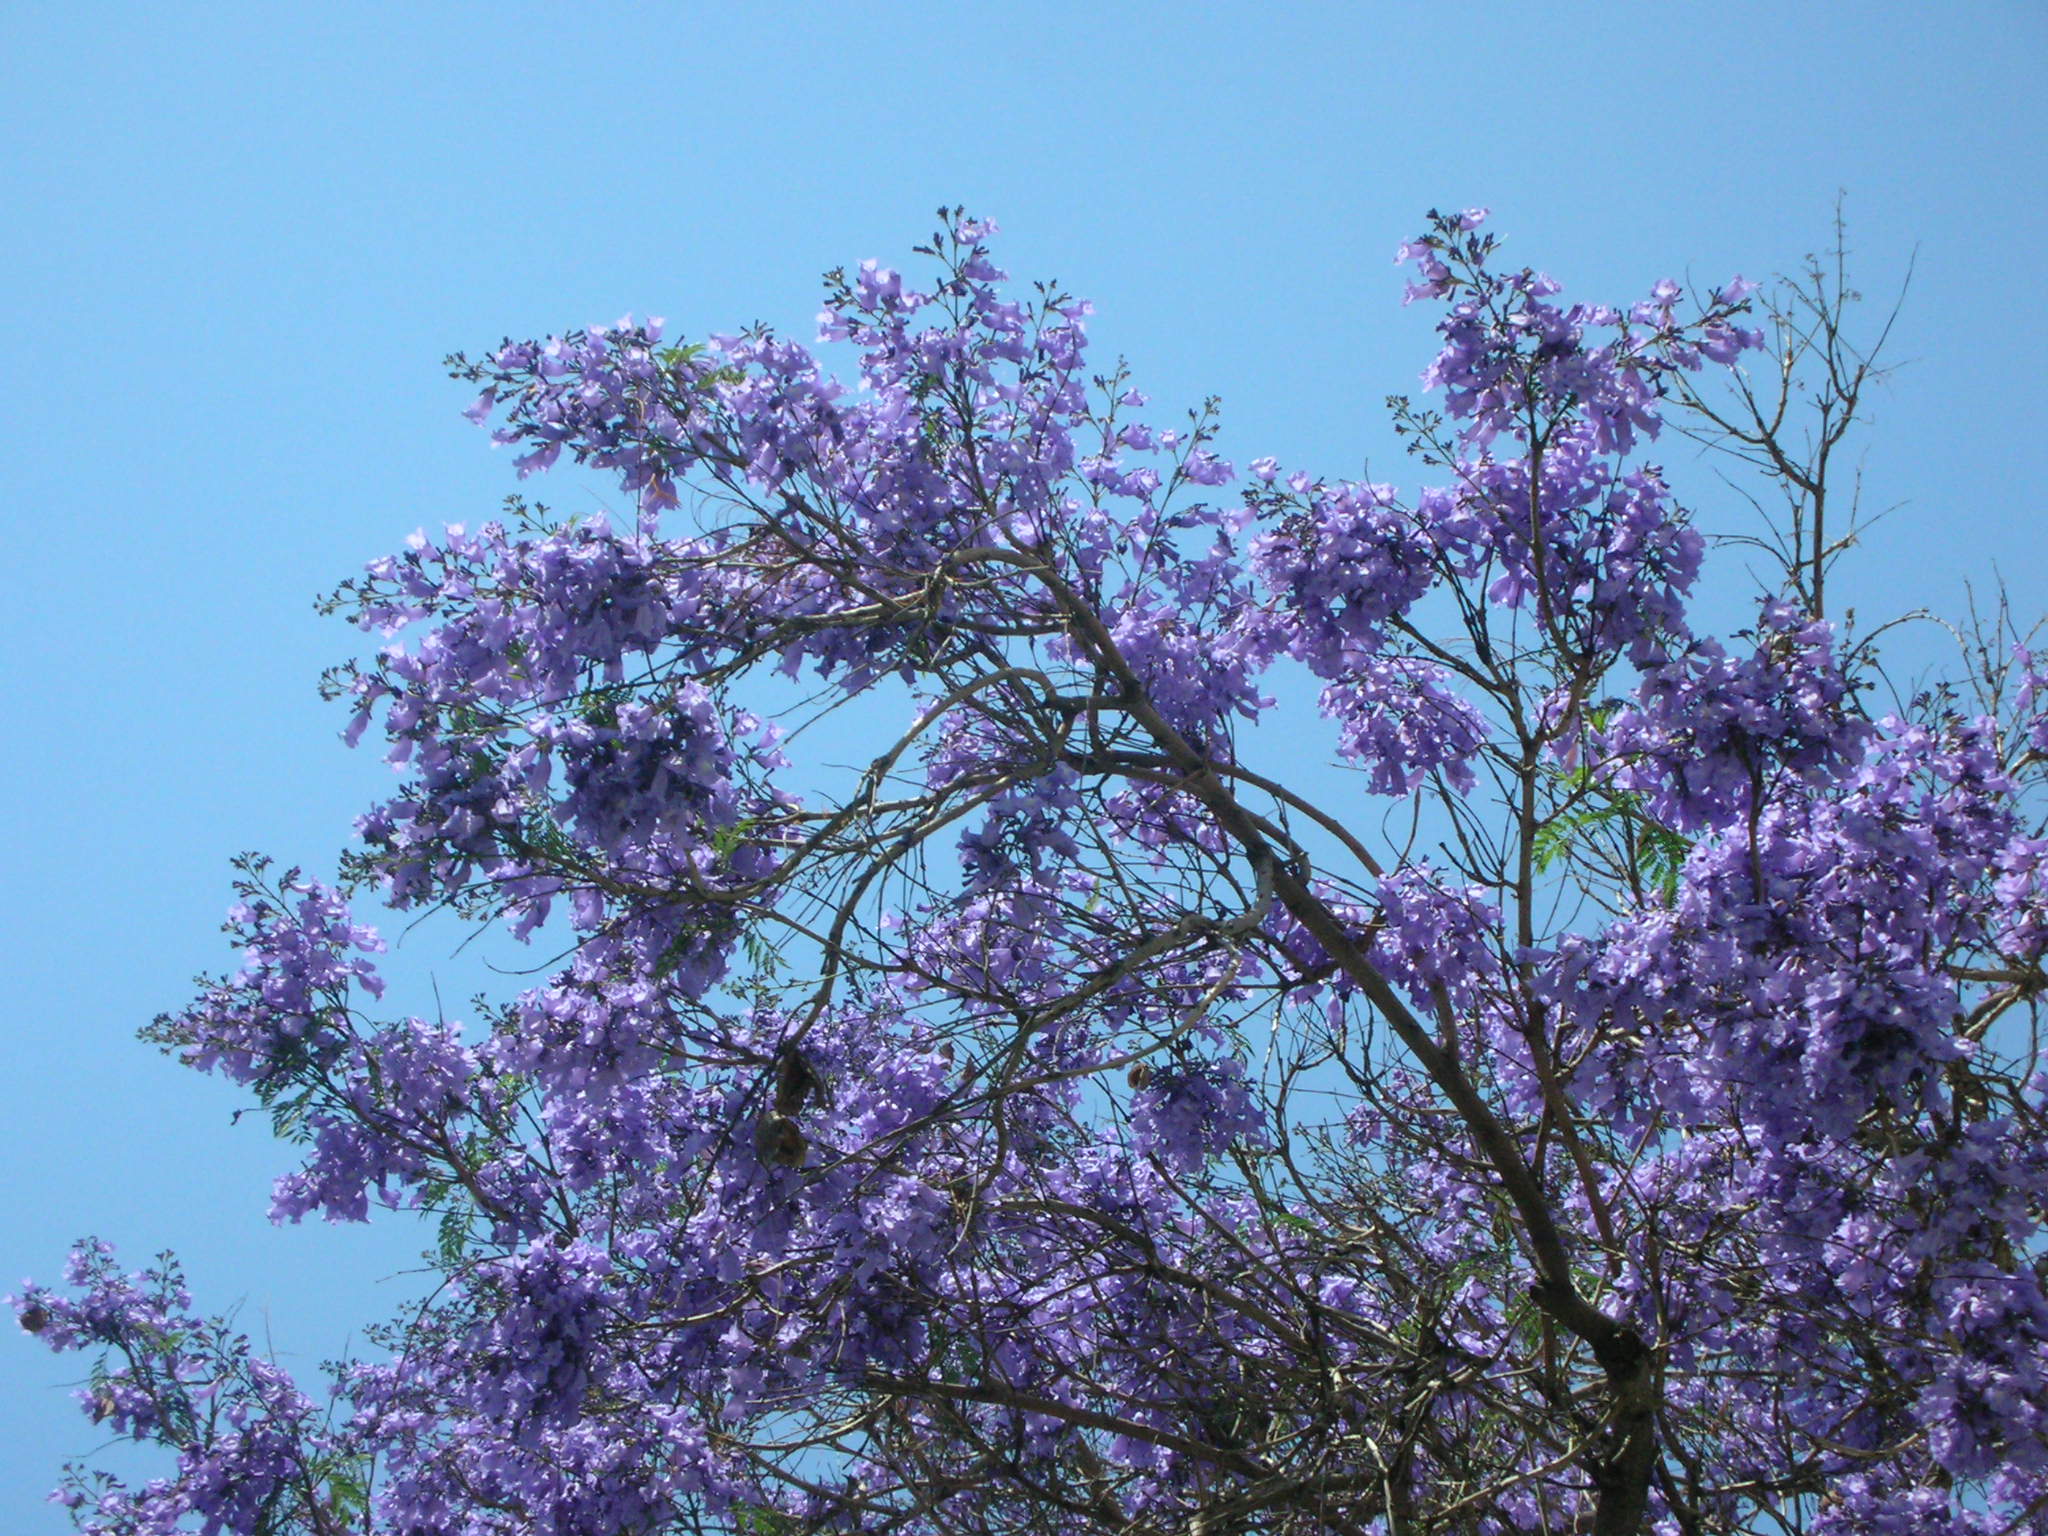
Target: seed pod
[
  {"x": 1140, "y": 1074},
  {"x": 962, "y": 1193},
  {"x": 794, "y": 1082},
  {"x": 35, "y": 1317},
  {"x": 780, "y": 1142}
]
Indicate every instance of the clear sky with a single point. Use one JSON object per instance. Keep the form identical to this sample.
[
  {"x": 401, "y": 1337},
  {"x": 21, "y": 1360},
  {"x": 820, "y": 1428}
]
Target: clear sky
[{"x": 237, "y": 240}]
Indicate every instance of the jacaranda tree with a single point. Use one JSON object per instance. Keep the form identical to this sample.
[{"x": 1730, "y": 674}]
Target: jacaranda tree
[{"x": 1581, "y": 1076}]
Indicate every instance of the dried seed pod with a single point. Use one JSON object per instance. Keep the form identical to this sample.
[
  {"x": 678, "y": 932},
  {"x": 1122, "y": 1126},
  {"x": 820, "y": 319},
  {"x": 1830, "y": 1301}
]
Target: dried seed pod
[
  {"x": 1140, "y": 1074},
  {"x": 780, "y": 1142},
  {"x": 35, "y": 1317},
  {"x": 794, "y": 1082},
  {"x": 960, "y": 1193}
]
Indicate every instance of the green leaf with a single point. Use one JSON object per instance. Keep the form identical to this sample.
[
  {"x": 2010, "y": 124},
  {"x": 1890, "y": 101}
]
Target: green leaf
[
  {"x": 760, "y": 1520},
  {"x": 348, "y": 1488}
]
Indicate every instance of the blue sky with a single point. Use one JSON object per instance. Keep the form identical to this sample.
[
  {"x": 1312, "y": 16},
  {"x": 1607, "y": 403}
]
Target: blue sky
[{"x": 239, "y": 239}]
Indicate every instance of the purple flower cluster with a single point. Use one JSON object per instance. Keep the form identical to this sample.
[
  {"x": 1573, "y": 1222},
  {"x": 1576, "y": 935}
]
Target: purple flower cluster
[
  {"x": 1513, "y": 363},
  {"x": 1709, "y": 736},
  {"x": 253, "y": 1451}
]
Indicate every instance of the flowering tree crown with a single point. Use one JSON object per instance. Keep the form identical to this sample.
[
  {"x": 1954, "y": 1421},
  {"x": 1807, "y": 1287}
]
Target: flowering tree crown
[{"x": 1610, "y": 1106}]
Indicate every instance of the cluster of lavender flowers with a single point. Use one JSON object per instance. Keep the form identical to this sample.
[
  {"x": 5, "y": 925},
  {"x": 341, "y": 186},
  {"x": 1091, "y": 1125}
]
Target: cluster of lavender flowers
[{"x": 1064, "y": 1121}]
